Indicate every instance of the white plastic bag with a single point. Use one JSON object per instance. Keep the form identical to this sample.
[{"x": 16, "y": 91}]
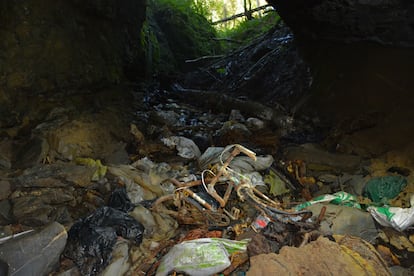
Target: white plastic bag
[
  {"x": 200, "y": 257},
  {"x": 186, "y": 147},
  {"x": 398, "y": 218}
]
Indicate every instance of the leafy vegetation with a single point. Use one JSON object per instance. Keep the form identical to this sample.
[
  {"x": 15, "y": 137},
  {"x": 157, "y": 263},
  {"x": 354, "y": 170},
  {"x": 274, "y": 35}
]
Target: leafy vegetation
[
  {"x": 178, "y": 30},
  {"x": 248, "y": 30},
  {"x": 175, "y": 32}
]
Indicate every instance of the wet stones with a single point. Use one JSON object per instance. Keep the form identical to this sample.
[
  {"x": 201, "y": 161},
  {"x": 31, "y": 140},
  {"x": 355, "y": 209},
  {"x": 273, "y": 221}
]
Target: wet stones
[
  {"x": 41, "y": 206},
  {"x": 345, "y": 220},
  {"x": 55, "y": 176},
  {"x": 47, "y": 193},
  {"x": 35, "y": 253}
]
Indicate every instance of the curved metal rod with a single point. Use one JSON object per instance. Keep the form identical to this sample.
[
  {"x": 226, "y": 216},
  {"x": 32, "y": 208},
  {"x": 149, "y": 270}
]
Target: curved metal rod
[{"x": 223, "y": 169}]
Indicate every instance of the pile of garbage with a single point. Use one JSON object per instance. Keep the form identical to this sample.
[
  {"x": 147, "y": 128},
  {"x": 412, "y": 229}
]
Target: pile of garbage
[
  {"x": 257, "y": 202},
  {"x": 232, "y": 200}
]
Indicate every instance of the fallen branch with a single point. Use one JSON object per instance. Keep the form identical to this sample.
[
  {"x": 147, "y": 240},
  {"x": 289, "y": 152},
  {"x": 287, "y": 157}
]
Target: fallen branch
[
  {"x": 227, "y": 39},
  {"x": 203, "y": 58},
  {"x": 224, "y": 103}
]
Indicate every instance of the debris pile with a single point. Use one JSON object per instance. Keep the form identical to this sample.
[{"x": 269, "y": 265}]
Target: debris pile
[{"x": 200, "y": 182}]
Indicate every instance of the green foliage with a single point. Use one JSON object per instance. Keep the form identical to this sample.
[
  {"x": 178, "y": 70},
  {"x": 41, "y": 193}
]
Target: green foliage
[
  {"x": 178, "y": 30},
  {"x": 201, "y": 7},
  {"x": 181, "y": 31},
  {"x": 248, "y": 30},
  {"x": 221, "y": 71}
]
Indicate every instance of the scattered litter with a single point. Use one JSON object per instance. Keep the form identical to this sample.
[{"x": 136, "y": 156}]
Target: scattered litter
[
  {"x": 276, "y": 185},
  {"x": 344, "y": 220},
  {"x": 91, "y": 240},
  {"x": 142, "y": 179},
  {"x": 119, "y": 200},
  {"x": 202, "y": 207},
  {"x": 201, "y": 256},
  {"x": 3, "y": 240},
  {"x": 245, "y": 164},
  {"x": 382, "y": 189},
  {"x": 260, "y": 222},
  {"x": 186, "y": 147},
  {"x": 120, "y": 260},
  {"x": 254, "y": 123},
  {"x": 398, "y": 218},
  {"x": 100, "y": 170},
  {"x": 339, "y": 198},
  {"x": 224, "y": 196}
]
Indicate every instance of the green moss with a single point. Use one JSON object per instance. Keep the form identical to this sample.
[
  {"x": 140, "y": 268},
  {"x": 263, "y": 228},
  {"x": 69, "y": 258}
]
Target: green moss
[
  {"x": 181, "y": 33},
  {"x": 151, "y": 48},
  {"x": 248, "y": 30}
]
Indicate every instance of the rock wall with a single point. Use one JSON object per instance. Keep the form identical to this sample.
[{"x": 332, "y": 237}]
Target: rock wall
[
  {"x": 388, "y": 22},
  {"x": 49, "y": 45},
  {"x": 360, "y": 53}
]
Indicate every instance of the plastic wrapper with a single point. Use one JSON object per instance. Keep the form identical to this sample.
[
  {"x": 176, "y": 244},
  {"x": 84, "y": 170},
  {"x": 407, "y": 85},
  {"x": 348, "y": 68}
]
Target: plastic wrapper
[
  {"x": 244, "y": 164},
  {"x": 186, "y": 147},
  {"x": 339, "y": 198},
  {"x": 200, "y": 257},
  {"x": 398, "y": 218},
  {"x": 100, "y": 170}
]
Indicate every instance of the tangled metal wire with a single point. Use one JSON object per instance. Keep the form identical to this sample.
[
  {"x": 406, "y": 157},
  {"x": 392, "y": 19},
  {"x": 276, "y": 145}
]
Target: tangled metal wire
[{"x": 191, "y": 208}]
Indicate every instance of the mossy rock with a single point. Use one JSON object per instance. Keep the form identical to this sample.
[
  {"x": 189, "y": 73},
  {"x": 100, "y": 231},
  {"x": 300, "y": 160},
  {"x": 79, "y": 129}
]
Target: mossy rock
[{"x": 182, "y": 34}]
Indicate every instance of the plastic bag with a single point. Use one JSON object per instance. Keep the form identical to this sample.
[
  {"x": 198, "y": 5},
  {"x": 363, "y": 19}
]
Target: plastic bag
[
  {"x": 244, "y": 164},
  {"x": 100, "y": 170},
  {"x": 91, "y": 240},
  {"x": 201, "y": 256},
  {"x": 381, "y": 189},
  {"x": 396, "y": 217},
  {"x": 119, "y": 200},
  {"x": 339, "y": 198},
  {"x": 186, "y": 147}
]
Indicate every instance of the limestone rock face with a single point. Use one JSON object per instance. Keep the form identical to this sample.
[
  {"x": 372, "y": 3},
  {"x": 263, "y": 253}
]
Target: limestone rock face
[
  {"x": 384, "y": 21},
  {"x": 51, "y": 45}
]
